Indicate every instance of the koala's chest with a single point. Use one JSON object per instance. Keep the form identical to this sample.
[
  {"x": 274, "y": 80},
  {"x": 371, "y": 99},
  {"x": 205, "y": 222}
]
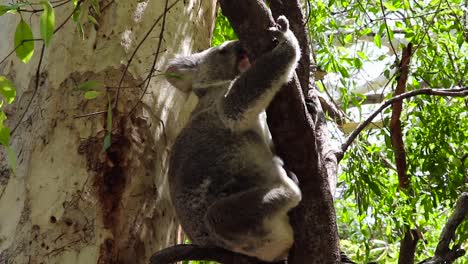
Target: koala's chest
[{"x": 207, "y": 150}]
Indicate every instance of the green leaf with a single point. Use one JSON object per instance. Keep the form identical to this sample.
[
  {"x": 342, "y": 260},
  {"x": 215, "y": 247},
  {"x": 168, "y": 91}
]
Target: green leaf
[
  {"x": 12, "y": 8},
  {"x": 4, "y": 131},
  {"x": 348, "y": 38},
  {"x": 96, "y": 7},
  {"x": 107, "y": 141},
  {"x": 377, "y": 40},
  {"x": 3, "y": 9},
  {"x": 90, "y": 85},
  {"x": 390, "y": 6},
  {"x": 91, "y": 94},
  {"x": 24, "y": 42},
  {"x": 93, "y": 20},
  {"x": 357, "y": 63},
  {"x": 7, "y": 89},
  {"x": 47, "y": 22}
]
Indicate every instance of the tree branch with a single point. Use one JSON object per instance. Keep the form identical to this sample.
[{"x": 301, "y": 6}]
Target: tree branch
[
  {"x": 408, "y": 246},
  {"x": 194, "y": 252},
  {"x": 292, "y": 9},
  {"x": 396, "y": 132},
  {"x": 456, "y": 92},
  {"x": 443, "y": 253}
]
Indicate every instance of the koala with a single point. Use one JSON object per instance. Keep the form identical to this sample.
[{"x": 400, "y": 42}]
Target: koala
[{"x": 228, "y": 187}]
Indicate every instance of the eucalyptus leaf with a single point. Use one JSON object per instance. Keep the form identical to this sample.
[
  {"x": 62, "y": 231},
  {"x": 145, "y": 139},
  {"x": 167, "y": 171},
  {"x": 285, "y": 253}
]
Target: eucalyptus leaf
[
  {"x": 4, "y": 130},
  {"x": 7, "y": 89},
  {"x": 378, "y": 40},
  {"x": 47, "y": 22},
  {"x": 91, "y": 94},
  {"x": 24, "y": 41}
]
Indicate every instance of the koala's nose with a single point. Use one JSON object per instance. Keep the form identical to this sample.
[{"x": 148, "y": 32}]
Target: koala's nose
[{"x": 239, "y": 49}]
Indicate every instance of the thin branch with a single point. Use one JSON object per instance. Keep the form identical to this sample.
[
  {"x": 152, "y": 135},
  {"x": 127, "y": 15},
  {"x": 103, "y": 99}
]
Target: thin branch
[
  {"x": 78, "y": 4},
  {"x": 137, "y": 48},
  {"x": 40, "y": 10},
  {"x": 156, "y": 56},
  {"x": 150, "y": 74},
  {"x": 388, "y": 30},
  {"x": 36, "y": 87},
  {"x": 193, "y": 252},
  {"x": 91, "y": 114},
  {"x": 456, "y": 92},
  {"x": 17, "y": 46}
]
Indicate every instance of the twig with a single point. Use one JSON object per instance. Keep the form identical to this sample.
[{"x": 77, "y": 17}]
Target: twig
[
  {"x": 78, "y": 4},
  {"x": 17, "y": 46},
  {"x": 40, "y": 10},
  {"x": 36, "y": 87},
  {"x": 194, "y": 252},
  {"x": 137, "y": 48},
  {"x": 155, "y": 59},
  {"x": 91, "y": 114},
  {"x": 388, "y": 30},
  {"x": 458, "y": 92}
]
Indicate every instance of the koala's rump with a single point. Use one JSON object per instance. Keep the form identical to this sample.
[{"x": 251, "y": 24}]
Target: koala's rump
[{"x": 209, "y": 162}]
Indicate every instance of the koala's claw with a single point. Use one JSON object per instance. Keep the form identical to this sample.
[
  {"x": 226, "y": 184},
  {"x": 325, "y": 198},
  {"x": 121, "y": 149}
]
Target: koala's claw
[
  {"x": 281, "y": 27},
  {"x": 283, "y": 23}
]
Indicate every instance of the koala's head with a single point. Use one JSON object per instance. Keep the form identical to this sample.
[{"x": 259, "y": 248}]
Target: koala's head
[{"x": 201, "y": 71}]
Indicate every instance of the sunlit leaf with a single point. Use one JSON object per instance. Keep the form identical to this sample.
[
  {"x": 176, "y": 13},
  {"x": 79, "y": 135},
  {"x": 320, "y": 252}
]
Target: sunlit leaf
[
  {"x": 377, "y": 40},
  {"x": 47, "y": 22},
  {"x": 389, "y": 6},
  {"x": 7, "y": 89},
  {"x": 91, "y": 95},
  {"x": 24, "y": 41},
  {"x": 4, "y": 130}
]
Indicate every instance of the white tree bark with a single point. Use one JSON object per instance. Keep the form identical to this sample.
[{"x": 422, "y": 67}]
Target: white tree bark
[{"x": 70, "y": 201}]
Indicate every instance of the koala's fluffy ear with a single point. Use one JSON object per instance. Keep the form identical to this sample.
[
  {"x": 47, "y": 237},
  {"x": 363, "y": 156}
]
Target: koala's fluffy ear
[{"x": 180, "y": 73}]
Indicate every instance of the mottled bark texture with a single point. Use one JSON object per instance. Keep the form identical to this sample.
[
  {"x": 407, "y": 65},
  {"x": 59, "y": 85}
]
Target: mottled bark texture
[{"x": 70, "y": 201}]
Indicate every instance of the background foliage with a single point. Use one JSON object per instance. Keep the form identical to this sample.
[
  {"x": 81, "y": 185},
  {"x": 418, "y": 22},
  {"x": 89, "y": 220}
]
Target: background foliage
[
  {"x": 350, "y": 39},
  {"x": 358, "y": 45}
]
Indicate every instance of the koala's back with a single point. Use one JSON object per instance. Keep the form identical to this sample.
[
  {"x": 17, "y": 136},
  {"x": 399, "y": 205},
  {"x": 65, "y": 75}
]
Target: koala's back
[{"x": 210, "y": 162}]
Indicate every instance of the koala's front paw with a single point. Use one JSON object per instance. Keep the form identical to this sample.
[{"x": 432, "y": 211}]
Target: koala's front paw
[
  {"x": 282, "y": 23},
  {"x": 286, "y": 41},
  {"x": 280, "y": 29}
]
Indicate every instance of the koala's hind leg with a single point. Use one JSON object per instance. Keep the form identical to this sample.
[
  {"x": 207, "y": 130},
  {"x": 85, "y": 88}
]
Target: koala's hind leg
[{"x": 255, "y": 222}]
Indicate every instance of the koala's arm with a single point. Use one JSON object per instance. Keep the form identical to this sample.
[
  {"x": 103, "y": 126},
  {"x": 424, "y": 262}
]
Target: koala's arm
[{"x": 253, "y": 90}]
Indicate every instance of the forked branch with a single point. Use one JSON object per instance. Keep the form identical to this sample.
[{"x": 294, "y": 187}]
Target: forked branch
[
  {"x": 443, "y": 253},
  {"x": 456, "y": 92}
]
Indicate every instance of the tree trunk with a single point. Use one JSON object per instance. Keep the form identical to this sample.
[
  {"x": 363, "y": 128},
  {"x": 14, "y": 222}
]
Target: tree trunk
[{"x": 70, "y": 201}]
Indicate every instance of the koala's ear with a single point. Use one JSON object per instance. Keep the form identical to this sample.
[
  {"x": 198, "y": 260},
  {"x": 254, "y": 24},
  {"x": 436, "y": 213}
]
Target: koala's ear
[{"x": 180, "y": 73}]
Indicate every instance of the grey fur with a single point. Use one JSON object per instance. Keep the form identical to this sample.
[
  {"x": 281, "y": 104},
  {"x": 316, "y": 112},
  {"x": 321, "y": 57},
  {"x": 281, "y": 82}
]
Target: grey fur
[{"x": 228, "y": 187}]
